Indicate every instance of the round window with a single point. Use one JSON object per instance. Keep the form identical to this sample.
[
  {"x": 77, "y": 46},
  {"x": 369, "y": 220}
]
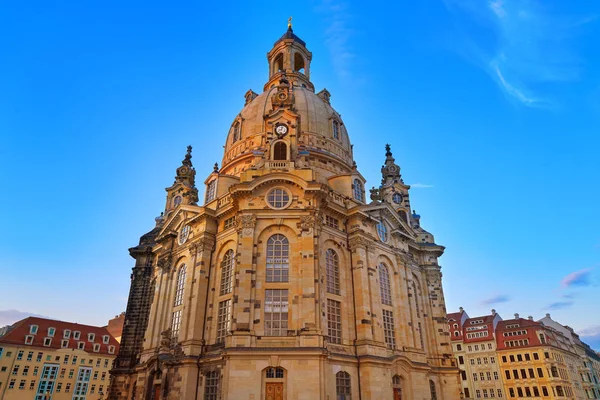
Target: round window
[
  {"x": 177, "y": 200},
  {"x": 382, "y": 232},
  {"x": 278, "y": 198},
  {"x": 184, "y": 233}
]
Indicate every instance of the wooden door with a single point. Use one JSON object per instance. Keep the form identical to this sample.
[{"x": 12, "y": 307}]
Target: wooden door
[
  {"x": 274, "y": 391},
  {"x": 156, "y": 394},
  {"x": 397, "y": 394}
]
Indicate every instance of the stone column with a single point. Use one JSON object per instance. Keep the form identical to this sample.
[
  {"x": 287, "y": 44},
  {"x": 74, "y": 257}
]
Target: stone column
[{"x": 362, "y": 298}]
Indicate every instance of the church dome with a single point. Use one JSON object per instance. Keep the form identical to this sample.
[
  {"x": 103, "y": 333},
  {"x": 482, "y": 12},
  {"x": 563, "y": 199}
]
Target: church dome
[{"x": 314, "y": 131}]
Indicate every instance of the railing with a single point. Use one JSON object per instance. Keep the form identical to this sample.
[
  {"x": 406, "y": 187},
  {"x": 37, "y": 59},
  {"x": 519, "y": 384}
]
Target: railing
[{"x": 279, "y": 164}]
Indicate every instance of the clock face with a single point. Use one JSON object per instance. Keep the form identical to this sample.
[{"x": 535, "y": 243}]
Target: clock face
[
  {"x": 392, "y": 168},
  {"x": 281, "y": 130},
  {"x": 397, "y": 198}
]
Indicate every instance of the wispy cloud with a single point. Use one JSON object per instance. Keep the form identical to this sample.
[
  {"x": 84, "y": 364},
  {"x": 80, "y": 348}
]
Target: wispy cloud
[
  {"x": 420, "y": 185},
  {"x": 338, "y": 35},
  {"x": 9, "y": 317},
  {"x": 591, "y": 336},
  {"x": 500, "y": 298},
  {"x": 531, "y": 44},
  {"x": 559, "y": 305},
  {"x": 577, "y": 278}
]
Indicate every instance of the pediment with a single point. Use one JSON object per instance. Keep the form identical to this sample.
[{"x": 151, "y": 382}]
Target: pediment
[
  {"x": 387, "y": 212},
  {"x": 184, "y": 214}
]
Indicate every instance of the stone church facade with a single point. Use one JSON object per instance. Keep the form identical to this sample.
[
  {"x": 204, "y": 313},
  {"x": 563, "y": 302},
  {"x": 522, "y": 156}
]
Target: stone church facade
[{"x": 287, "y": 283}]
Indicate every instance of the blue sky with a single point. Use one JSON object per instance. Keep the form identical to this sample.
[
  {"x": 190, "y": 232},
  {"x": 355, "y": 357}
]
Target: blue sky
[{"x": 492, "y": 109}]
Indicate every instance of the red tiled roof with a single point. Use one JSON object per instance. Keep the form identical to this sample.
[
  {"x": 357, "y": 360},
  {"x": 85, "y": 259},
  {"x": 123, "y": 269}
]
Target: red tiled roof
[
  {"x": 455, "y": 316},
  {"x": 21, "y": 329}
]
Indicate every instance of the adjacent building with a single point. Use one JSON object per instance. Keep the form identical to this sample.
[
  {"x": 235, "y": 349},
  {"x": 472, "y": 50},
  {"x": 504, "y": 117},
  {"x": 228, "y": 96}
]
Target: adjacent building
[
  {"x": 287, "y": 280},
  {"x": 524, "y": 358},
  {"x": 48, "y": 359}
]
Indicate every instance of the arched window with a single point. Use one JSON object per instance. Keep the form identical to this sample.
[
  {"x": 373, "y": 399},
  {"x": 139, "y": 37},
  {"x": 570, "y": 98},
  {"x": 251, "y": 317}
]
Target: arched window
[
  {"x": 280, "y": 151},
  {"x": 432, "y": 390},
  {"x": 384, "y": 285},
  {"x": 211, "y": 388},
  {"x": 180, "y": 286},
  {"x": 343, "y": 388},
  {"x": 278, "y": 250},
  {"x": 227, "y": 273},
  {"x": 278, "y": 64},
  {"x": 236, "y": 132},
  {"x": 397, "y": 385},
  {"x": 358, "y": 190},
  {"x": 332, "y": 266},
  {"x": 298, "y": 63}
]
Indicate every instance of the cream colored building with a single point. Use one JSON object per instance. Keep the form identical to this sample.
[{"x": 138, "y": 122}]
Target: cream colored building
[
  {"x": 44, "y": 359},
  {"x": 288, "y": 282}
]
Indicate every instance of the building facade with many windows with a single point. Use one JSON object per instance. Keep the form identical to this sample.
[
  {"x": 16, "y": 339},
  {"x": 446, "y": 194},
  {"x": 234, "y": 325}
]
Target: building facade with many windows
[
  {"x": 525, "y": 358},
  {"x": 288, "y": 282},
  {"x": 44, "y": 359}
]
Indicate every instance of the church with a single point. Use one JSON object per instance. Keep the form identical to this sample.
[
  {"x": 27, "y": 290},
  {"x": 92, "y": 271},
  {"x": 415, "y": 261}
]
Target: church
[{"x": 286, "y": 281}]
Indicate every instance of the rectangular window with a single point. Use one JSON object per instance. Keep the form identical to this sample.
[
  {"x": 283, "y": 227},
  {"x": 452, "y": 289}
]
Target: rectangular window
[
  {"x": 68, "y": 388},
  {"x": 520, "y": 392},
  {"x": 334, "y": 321},
  {"x": 332, "y": 222},
  {"x": 11, "y": 385},
  {"x": 35, "y": 371},
  {"x": 64, "y": 343},
  {"x": 493, "y": 360},
  {"x": 229, "y": 223},
  {"x": 31, "y": 385},
  {"x": 16, "y": 369},
  {"x": 96, "y": 375},
  {"x": 478, "y": 394},
  {"x": 25, "y": 370},
  {"x": 81, "y": 345},
  {"x": 512, "y": 358},
  {"x": 47, "y": 341},
  {"x": 175, "y": 326},
  {"x": 33, "y": 329},
  {"x": 22, "y": 384},
  {"x": 531, "y": 373},
  {"x": 278, "y": 263},
  {"x": 76, "y": 335},
  {"x": 91, "y": 337},
  {"x": 499, "y": 392},
  {"x": 488, "y": 375},
  {"x": 51, "y": 332},
  {"x": 535, "y": 356},
  {"x": 223, "y": 320},
  {"x": 519, "y": 357},
  {"x": 485, "y": 393},
  {"x": 496, "y": 377},
  {"x": 211, "y": 388},
  {"x": 98, "y": 361},
  {"x": 472, "y": 360},
  {"x": 507, "y": 373},
  {"x": 39, "y": 356},
  {"x": 388, "y": 328},
  {"x": 461, "y": 360},
  {"x": 20, "y": 355},
  {"x": 482, "y": 376},
  {"x": 47, "y": 381},
  {"x": 527, "y": 357},
  {"x": 74, "y": 360},
  {"x": 82, "y": 383},
  {"x": 96, "y": 347},
  {"x": 276, "y": 312},
  {"x": 540, "y": 373},
  {"x": 105, "y": 339},
  {"x": 29, "y": 356},
  {"x": 475, "y": 376},
  {"x": 536, "y": 392}
]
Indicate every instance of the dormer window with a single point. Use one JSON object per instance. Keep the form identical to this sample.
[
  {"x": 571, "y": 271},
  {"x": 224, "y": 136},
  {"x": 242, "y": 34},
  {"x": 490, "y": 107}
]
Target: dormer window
[
  {"x": 91, "y": 337},
  {"x": 51, "y": 332},
  {"x": 47, "y": 341},
  {"x": 64, "y": 343},
  {"x": 358, "y": 191},
  {"x": 211, "y": 190},
  {"x": 66, "y": 333},
  {"x": 336, "y": 130},
  {"x": 105, "y": 339},
  {"x": 81, "y": 345},
  {"x": 76, "y": 335},
  {"x": 29, "y": 339},
  {"x": 33, "y": 329},
  {"x": 111, "y": 349},
  {"x": 96, "y": 347}
]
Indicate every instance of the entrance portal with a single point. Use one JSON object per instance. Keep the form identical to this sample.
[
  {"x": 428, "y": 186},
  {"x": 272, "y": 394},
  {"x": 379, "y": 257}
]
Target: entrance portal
[{"x": 274, "y": 391}]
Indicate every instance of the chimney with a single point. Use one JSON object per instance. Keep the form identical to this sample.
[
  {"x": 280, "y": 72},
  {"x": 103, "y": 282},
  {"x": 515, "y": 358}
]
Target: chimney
[
  {"x": 530, "y": 318},
  {"x": 516, "y": 316},
  {"x": 548, "y": 315},
  {"x": 461, "y": 309},
  {"x": 493, "y": 312}
]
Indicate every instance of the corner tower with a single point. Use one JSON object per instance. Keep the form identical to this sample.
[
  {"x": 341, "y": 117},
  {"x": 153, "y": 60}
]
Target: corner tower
[{"x": 287, "y": 273}]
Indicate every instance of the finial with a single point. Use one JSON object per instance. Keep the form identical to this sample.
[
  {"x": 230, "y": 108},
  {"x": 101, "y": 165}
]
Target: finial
[
  {"x": 216, "y": 167},
  {"x": 187, "y": 161},
  {"x": 388, "y": 151},
  {"x": 290, "y": 23}
]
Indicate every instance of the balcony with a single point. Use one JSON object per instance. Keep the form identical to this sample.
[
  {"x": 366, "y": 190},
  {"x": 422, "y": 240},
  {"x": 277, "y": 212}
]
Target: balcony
[{"x": 279, "y": 165}]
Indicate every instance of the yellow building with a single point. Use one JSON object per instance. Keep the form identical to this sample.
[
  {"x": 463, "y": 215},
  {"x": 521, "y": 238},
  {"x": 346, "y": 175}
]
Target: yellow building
[
  {"x": 536, "y": 362},
  {"x": 288, "y": 282},
  {"x": 47, "y": 359}
]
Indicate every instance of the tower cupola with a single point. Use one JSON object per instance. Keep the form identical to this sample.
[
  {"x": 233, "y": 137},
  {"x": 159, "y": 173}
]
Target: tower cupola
[
  {"x": 183, "y": 190},
  {"x": 289, "y": 57}
]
